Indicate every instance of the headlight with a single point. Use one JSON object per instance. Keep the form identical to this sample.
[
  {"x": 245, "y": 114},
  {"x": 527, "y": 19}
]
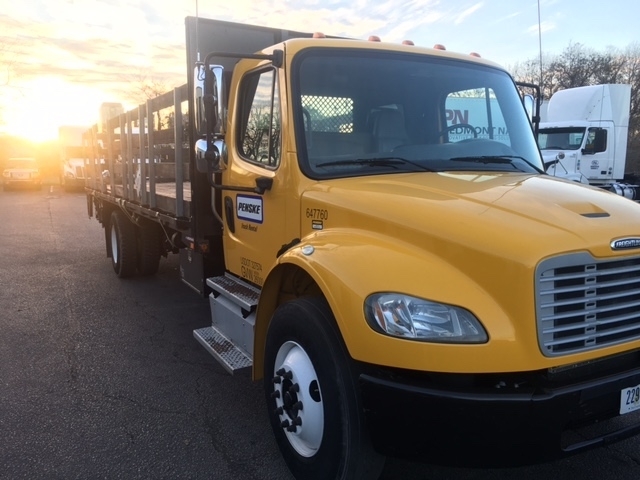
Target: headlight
[{"x": 409, "y": 317}]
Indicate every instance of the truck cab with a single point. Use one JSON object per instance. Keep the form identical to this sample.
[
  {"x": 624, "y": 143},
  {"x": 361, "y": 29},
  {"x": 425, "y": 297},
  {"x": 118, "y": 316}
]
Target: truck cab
[{"x": 437, "y": 252}]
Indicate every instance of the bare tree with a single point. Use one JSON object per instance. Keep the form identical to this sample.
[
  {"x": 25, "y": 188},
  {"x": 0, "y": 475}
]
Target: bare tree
[
  {"x": 261, "y": 138},
  {"x": 528, "y": 71},
  {"x": 143, "y": 88},
  {"x": 631, "y": 74}
]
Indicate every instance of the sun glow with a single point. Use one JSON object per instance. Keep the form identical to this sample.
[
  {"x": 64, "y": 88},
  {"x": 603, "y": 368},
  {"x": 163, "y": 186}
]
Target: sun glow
[{"x": 44, "y": 104}]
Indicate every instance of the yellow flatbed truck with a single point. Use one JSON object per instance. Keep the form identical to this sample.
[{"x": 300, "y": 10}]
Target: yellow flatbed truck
[{"x": 404, "y": 283}]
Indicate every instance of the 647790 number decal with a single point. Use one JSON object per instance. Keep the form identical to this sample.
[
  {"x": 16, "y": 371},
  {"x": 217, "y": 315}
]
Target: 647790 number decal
[{"x": 629, "y": 399}]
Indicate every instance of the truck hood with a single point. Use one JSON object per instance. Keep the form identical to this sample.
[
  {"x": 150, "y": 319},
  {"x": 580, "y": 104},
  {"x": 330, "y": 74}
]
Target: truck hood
[{"x": 520, "y": 217}]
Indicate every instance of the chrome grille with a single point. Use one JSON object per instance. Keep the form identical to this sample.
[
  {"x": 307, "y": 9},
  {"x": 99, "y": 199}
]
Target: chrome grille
[{"x": 583, "y": 303}]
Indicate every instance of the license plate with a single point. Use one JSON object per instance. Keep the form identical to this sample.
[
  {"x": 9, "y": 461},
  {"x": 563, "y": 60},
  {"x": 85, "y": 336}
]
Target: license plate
[{"x": 629, "y": 399}]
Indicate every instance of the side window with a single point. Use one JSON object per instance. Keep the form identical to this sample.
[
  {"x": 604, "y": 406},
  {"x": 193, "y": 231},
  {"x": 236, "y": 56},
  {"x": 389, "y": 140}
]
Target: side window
[
  {"x": 259, "y": 136},
  {"x": 475, "y": 114},
  {"x": 596, "y": 140}
]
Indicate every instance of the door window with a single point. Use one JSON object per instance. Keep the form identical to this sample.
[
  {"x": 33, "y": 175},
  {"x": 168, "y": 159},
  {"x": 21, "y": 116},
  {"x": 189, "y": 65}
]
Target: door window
[{"x": 260, "y": 119}]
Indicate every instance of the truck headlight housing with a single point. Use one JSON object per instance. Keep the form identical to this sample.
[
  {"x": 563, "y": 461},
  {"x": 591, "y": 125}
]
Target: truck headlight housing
[{"x": 414, "y": 318}]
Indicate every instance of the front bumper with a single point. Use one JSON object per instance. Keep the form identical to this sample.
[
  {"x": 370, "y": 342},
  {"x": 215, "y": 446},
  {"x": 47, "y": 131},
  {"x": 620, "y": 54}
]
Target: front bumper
[
  {"x": 461, "y": 422},
  {"x": 22, "y": 183}
]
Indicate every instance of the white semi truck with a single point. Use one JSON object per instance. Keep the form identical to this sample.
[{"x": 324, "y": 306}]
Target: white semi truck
[
  {"x": 585, "y": 136},
  {"x": 72, "y": 157}
]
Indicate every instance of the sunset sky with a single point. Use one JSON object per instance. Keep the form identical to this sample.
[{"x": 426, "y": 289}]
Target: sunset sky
[{"x": 60, "y": 59}]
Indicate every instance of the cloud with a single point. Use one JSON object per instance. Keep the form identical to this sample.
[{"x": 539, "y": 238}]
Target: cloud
[
  {"x": 469, "y": 11},
  {"x": 545, "y": 26},
  {"x": 508, "y": 17}
]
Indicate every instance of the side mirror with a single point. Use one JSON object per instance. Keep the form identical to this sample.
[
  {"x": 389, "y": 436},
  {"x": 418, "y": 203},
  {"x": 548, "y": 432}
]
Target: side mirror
[
  {"x": 212, "y": 159},
  {"x": 213, "y": 94},
  {"x": 529, "y": 105}
]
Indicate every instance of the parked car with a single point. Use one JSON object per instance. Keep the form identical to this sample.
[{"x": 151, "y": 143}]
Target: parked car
[{"x": 21, "y": 172}]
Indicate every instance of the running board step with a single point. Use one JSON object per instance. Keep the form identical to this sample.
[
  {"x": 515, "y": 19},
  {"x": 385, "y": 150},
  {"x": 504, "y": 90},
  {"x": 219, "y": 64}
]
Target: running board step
[
  {"x": 241, "y": 293},
  {"x": 229, "y": 356}
]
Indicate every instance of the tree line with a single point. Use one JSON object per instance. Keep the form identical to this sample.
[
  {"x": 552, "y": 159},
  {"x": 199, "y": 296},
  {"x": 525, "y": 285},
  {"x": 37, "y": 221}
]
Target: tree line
[{"x": 578, "y": 66}]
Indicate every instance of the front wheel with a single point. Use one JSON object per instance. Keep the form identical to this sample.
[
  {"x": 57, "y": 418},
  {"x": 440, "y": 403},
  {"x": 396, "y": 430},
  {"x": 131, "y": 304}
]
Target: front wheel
[{"x": 312, "y": 396}]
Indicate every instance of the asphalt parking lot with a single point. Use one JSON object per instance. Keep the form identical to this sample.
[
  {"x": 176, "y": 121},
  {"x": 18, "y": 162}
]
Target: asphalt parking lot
[{"x": 101, "y": 378}]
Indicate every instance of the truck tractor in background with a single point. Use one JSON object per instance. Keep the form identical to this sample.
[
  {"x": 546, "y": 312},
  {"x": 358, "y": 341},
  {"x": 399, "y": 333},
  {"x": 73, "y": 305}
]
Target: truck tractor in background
[
  {"x": 72, "y": 157},
  {"x": 584, "y": 137},
  {"x": 403, "y": 279}
]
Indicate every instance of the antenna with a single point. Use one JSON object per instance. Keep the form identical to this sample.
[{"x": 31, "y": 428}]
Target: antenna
[
  {"x": 198, "y": 36},
  {"x": 539, "y": 42}
]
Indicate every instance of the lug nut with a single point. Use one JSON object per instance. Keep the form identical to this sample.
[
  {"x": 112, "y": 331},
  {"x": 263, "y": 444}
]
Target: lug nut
[
  {"x": 278, "y": 411},
  {"x": 277, "y": 380},
  {"x": 292, "y": 428},
  {"x": 295, "y": 388},
  {"x": 297, "y": 421},
  {"x": 275, "y": 394},
  {"x": 280, "y": 372},
  {"x": 285, "y": 424}
]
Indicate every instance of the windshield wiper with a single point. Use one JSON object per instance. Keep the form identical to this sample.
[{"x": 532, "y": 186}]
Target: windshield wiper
[
  {"x": 375, "y": 162},
  {"x": 504, "y": 159}
]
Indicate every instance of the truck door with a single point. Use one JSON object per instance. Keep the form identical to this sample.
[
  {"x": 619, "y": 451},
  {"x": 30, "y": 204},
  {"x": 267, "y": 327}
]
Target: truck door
[
  {"x": 598, "y": 153},
  {"x": 255, "y": 224}
]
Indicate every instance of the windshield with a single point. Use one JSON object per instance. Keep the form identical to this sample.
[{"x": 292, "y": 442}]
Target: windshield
[
  {"x": 21, "y": 163},
  {"x": 569, "y": 138},
  {"x": 363, "y": 113}
]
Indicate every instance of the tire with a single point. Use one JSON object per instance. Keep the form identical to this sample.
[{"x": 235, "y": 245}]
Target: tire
[
  {"x": 312, "y": 396},
  {"x": 123, "y": 245},
  {"x": 149, "y": 249}
]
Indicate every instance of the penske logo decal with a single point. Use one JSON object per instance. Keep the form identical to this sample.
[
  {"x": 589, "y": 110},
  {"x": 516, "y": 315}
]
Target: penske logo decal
[
  {"x": 249, "y": 208},
  {"x": 625, "y": 243}
]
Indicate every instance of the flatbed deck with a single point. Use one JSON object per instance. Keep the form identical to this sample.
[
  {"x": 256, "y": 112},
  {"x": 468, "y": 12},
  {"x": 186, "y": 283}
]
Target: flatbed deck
[{"x": 164, "y": 200}]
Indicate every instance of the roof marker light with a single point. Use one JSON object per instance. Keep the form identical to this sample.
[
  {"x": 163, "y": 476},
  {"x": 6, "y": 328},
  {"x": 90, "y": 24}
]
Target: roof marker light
[
  {"x": 319, "y": 35},
  {"x": 439, "y": 46},
  {"x": 408, "y": 42},
  {"x": 374, "y": 38},
  {"x": 474, "y": 54}
]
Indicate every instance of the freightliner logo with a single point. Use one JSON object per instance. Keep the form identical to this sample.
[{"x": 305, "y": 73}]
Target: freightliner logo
[{"x": 625, "y": 243}]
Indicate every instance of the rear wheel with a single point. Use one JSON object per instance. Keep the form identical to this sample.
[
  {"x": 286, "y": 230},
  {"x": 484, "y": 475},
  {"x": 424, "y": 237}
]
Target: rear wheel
[
  {"x": 123, "y": 245},
  {"x": 149, "y": 248},
  {"x": 312, "y": 397}
]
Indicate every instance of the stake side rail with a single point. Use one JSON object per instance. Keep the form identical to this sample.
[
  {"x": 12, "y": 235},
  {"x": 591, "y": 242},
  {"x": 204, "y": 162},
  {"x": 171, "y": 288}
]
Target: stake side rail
[{"x": 138, "y": 156}]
